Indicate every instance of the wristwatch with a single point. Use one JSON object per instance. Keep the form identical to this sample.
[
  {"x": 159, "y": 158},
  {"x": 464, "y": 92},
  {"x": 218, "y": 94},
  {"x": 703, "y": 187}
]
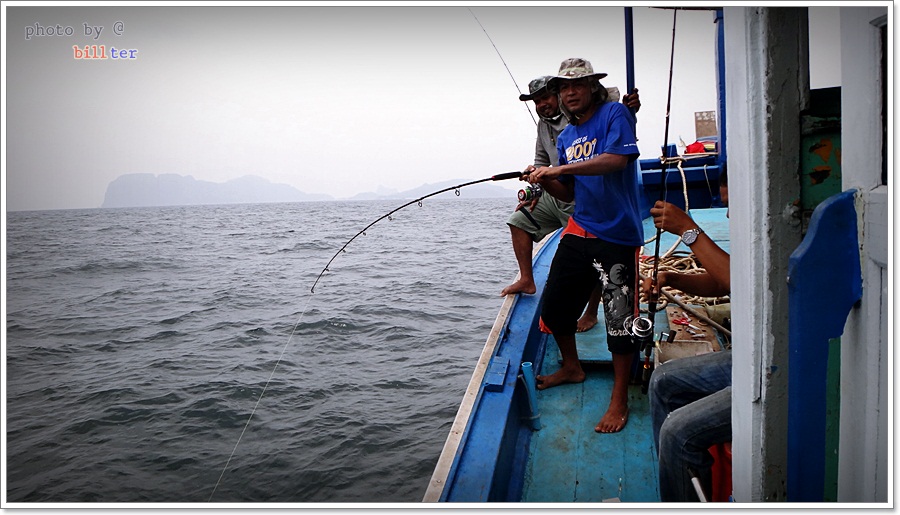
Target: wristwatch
[{"x": 690, "y": 236}]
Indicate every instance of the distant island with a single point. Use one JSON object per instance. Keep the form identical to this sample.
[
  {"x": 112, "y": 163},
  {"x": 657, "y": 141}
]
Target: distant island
[{"x": 169, "y": 189}]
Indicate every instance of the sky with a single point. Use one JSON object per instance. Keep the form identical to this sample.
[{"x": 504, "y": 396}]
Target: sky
[{"x": 329, "y": 99}]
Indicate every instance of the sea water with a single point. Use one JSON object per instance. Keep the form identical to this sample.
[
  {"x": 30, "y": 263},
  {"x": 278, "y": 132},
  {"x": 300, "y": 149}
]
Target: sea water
[{"x": 139, "y": 343}]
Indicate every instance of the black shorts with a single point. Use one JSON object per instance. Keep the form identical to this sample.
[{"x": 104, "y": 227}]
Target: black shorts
[{"x": 577, "y": 266}]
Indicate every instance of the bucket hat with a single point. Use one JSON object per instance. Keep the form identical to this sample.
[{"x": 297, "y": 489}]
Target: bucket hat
[
  {"x": 536, "y": 87},
  {"x": 574, "y": 68}
]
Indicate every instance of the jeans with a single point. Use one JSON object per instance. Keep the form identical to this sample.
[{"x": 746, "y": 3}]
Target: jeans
[{"x": 690, "y": 403}]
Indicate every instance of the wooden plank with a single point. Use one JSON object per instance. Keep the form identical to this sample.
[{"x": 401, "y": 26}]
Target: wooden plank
[
  {"x": 642, "y": 464},
  {"x": 618, "y": 466},
  {"x": 551, "y": 476},
  {"x": 601, "y": 457},
  {"x": 570, "y": 462}
]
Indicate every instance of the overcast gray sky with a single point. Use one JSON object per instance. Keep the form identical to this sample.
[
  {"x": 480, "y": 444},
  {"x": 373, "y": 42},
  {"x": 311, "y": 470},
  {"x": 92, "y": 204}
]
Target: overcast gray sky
[{"x": 336, "y": 100}]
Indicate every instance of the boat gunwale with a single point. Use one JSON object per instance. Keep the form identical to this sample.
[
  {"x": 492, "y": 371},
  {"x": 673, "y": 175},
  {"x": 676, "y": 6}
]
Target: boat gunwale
[{"x": 473, "y": 393}]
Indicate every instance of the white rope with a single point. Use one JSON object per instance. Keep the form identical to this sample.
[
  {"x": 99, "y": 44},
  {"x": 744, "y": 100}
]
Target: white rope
[{"x": 684, "y": 190}]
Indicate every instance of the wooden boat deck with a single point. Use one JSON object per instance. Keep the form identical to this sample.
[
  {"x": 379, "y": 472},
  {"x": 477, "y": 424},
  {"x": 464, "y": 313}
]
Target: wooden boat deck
[{"x": 568, "y": 461}]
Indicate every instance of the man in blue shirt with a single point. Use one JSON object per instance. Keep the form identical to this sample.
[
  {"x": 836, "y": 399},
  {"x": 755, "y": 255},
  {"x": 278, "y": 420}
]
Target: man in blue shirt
[
  {"x": 598, "y": 170},
  {"x": 547, "y": 214}
]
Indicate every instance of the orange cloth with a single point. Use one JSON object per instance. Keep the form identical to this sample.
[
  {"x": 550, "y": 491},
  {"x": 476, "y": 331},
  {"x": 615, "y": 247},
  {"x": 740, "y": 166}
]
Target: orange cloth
[
  {"x": 573, "y": 228},
  {"x": 544, "y": 328}
]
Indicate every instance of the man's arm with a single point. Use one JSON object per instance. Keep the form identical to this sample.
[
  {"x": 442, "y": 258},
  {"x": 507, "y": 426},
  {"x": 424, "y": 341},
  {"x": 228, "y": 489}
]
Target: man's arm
[
  {"x": 702, "y": 284},
  {"x": 716, "y": 261},
  {"x": 565, "y": 191},
  {"x": 541, "y": 156},
  {"x": 599, "y": 165}
]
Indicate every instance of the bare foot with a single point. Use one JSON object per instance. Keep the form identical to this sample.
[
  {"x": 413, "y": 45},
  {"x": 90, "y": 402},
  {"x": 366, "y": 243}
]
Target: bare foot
[
  {"x": 586, "y": 322},
  {"x": 613, "y": 420},
  {"x": 559, "y": 377},
  {"x": 521, "y": 286}
]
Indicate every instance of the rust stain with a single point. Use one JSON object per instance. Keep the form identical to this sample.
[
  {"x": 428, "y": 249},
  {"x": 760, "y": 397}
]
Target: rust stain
[
  {"x": 822, "y": 149},
  {"x": 819, "y": 174},
  {"x": 837, "y": 154}
]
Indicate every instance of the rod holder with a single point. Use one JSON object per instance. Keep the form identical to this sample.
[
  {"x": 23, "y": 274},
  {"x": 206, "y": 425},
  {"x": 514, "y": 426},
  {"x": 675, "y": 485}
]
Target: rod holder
[{"x": 530, "y": 389}]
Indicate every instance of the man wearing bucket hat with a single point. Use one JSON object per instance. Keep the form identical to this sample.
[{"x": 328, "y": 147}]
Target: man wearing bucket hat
[
  {"x": 597, "y": 169},
  {"x": 546, "y": 213}
]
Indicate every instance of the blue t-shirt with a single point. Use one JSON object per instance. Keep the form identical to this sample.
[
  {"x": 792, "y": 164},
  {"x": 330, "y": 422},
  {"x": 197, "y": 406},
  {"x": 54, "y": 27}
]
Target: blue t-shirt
[{"x": 605, "y": 205}]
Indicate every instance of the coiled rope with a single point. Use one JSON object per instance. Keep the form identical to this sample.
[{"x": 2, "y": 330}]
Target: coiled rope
[{"x": 683, "y": 263}]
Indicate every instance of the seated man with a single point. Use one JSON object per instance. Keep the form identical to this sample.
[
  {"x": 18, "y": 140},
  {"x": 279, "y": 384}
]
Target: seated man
[{"x": 690, "y": 398}]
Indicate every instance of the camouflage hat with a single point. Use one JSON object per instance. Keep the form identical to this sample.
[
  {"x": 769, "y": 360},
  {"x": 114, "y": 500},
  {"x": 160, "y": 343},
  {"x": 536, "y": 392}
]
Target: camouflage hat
[
  {"x": 538, "y": 85},
  {"x": 575, "y": 68}
]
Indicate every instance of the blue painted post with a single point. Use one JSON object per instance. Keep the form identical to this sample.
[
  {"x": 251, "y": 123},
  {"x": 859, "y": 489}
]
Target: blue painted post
[
  {"x": 720, "y": 87},
  {"x": 824, "y": 282},
  {"x": 629, "y": 50}
]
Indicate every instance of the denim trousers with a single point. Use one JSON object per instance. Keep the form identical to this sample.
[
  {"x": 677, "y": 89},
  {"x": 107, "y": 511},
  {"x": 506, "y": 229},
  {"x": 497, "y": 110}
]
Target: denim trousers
[{"x": 690, "y": 404}]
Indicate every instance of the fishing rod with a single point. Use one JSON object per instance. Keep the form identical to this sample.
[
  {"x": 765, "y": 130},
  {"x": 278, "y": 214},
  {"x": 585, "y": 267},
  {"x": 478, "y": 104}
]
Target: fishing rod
[
  {"x": 643, "y": 328},
  {"x": 498, "y": 177},
  {"x": 665, "y": 164},
  {"x": 504, "y": 63}
]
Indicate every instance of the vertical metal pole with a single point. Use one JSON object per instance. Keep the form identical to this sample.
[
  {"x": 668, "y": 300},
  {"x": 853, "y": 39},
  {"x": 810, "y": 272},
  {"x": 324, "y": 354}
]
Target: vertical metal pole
[
  {"x": 720, "y": 87},
  {"x": 629, "y": 49}
]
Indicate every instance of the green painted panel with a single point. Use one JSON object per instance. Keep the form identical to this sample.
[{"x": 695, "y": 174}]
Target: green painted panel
[{"x": 820, "y": 168}]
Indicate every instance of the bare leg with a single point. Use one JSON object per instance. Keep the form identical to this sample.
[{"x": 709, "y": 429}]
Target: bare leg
[
  {"x": 570, "y": 372},
  {"x": 523, "y": 247},
  {"x": 616, "y": 415},
  {"x": 589, "y": 318}
]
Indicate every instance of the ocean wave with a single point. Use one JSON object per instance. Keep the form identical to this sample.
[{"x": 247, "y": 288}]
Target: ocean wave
[{"x": 137, "y": 350}]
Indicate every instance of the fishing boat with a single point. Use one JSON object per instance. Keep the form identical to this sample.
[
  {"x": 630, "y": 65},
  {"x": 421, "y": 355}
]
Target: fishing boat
[
  {"x": 510, "y": 442},
  {"x": 809, "y": 307}
]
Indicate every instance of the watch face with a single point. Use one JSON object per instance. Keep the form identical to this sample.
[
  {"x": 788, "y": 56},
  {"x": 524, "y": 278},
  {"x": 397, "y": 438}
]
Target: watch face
[{"x": 690, "y": 236}]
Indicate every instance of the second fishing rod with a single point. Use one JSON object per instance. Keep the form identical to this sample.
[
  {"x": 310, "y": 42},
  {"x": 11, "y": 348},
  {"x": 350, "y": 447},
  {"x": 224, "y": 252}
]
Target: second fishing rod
[{"x": 643, "y": 328}]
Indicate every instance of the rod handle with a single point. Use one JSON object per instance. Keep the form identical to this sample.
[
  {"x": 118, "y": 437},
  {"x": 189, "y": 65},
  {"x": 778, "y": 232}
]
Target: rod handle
[{"x": 507, "y": 175}]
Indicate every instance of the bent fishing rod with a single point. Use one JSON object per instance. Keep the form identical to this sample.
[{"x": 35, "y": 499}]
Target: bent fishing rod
[{"x": 498, "y": 177}]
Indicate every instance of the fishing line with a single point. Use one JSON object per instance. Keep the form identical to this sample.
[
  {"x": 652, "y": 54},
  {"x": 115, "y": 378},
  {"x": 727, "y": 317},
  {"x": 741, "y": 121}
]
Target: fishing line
[
  {"x": 498, "y": 177},
  {"x": 263, "y": 392},
  {"x": 504, "y": 63}
]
